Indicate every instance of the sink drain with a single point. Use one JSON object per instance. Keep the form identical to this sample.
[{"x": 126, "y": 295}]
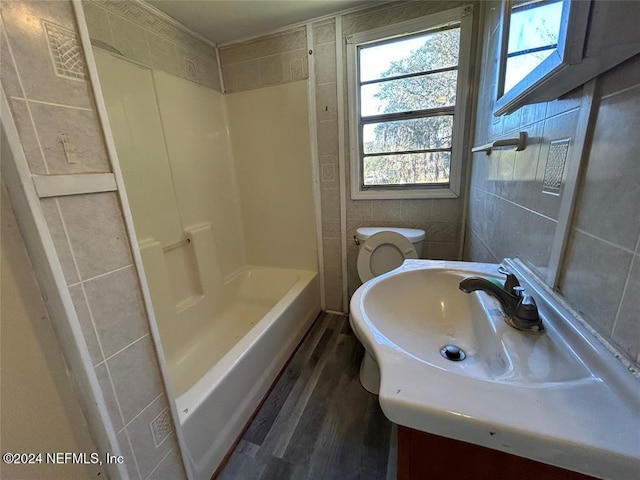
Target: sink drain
[{"x": 453, "y": 353}]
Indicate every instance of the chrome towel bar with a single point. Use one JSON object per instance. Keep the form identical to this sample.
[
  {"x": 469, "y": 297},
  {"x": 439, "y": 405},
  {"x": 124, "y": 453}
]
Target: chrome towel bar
[{"x": 520, "y": 143}]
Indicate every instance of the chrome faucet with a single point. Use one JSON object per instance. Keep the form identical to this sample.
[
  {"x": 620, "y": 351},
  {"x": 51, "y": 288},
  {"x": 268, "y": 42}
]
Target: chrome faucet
[{"x": 520, "y": 308}]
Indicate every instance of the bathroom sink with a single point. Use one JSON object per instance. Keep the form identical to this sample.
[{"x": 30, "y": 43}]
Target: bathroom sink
[
  {"x": 558, "y": 397},
  {"x": 433, "y": 313}
]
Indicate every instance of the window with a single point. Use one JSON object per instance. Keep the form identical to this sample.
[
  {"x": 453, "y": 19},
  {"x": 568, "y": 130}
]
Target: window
[
  {"x": 408, "y": 88},
  {"x": 533, "y": 36}
]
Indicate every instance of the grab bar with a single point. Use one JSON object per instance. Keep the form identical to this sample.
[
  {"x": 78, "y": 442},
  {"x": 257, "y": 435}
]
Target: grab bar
[
  {"x": 179, "y": 244},
  {"x": 520, "y": 143}
]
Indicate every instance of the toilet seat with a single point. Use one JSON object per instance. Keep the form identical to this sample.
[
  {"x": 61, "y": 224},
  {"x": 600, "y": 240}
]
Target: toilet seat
[{"x": 396, "y": 247}]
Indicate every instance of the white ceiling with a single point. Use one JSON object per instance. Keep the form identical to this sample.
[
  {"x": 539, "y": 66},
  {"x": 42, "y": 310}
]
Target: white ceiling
[{"x": 223, "y": 21}]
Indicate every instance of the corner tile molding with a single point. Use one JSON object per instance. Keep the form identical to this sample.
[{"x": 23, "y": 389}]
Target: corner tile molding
[
  {"x": 62, "y": 185},
  {"x": 65, "y": 51}
]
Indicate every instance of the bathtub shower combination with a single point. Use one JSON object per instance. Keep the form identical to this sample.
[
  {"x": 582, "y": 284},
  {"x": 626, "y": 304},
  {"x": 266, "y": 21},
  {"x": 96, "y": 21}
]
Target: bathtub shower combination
[
  {"x": 203, "y": 219},
  {"x": 223, "y": 358}
]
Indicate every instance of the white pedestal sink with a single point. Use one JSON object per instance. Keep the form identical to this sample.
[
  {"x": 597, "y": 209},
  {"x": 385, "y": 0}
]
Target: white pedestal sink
[{"x": 560, "y": 397}]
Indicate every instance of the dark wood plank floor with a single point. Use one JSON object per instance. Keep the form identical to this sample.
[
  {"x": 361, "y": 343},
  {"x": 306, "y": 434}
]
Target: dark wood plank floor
[{"x": 318, "y": 422}]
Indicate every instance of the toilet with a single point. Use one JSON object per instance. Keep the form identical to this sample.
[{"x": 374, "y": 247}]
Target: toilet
[{"x": 381, "y": 250}]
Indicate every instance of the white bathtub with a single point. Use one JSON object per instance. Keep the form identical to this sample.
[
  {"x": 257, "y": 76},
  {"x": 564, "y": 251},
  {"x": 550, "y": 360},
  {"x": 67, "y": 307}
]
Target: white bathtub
[{"x": 222, "y": 372}]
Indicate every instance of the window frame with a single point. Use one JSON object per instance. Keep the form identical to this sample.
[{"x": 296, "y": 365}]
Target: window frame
[{"x": 462, "y": 16}]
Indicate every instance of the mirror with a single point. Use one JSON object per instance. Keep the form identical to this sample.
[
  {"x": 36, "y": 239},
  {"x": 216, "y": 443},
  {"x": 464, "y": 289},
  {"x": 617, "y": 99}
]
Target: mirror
[{"x": 550, "y": 47}]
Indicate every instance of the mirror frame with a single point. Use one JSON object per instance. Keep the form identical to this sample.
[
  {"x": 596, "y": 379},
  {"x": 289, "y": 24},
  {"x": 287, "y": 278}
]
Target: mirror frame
[{"x": 571, "y": 42}]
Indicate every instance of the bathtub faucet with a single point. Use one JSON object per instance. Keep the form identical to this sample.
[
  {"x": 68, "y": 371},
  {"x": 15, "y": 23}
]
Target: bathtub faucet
[{"x": 520, "y": 308}]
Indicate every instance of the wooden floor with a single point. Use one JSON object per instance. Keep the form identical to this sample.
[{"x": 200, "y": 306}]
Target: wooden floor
[{"x": 318, "y": 422}]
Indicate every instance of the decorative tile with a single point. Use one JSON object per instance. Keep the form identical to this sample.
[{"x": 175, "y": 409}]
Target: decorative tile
[
  {"x": 554, "y": 170},
  {"x": 138, "y": 14},
  {"x": 24, "y": 25},
  {"x": 392, "y": 12},
  {"x": 161, "y": 427},
  {"x": 328, "y": 172},
  {"x": 81, "y": 129},
  {"x": 148, "y": 453},
  {"x": 65, "y": 50},
  {"x": 190, "y": 69},
  {"x": 166, "y": 47},
  {"x": 296, "y": 65},
  {"x": 560, "y": 127},
  {"x": 265, "y": 46}
]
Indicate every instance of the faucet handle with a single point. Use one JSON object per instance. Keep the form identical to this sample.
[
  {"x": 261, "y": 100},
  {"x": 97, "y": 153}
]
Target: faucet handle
[
  {"x": 517, "y": 291},
  {"x": 512, "y": 284},
  {"x": 527, "y": 308}
]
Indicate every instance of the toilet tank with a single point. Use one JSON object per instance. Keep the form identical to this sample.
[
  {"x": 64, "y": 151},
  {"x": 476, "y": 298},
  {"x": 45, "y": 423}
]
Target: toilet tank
[{"x": 414, "y": 235}]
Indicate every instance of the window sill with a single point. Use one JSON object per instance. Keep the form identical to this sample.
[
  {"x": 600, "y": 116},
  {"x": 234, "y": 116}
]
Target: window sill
[{"x": 393, "y": 194}]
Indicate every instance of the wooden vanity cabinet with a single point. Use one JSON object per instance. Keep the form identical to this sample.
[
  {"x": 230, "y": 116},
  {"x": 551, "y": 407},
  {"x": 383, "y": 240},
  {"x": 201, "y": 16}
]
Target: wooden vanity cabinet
[{"x": 424, "y": 456}]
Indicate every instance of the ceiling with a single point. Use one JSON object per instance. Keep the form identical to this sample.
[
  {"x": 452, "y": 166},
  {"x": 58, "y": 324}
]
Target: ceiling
[{"x": 222, "y": 21}]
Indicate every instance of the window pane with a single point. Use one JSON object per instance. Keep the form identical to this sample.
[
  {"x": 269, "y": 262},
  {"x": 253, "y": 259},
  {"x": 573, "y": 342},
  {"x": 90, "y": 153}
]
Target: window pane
[
  {"x": 418, "y": 53},
  {"x": 407, "y": 94},
  {"x": 402, "y": 135},
  {"x": 535, "y": 25},
  {"x": 407, "y": 169},
  {"x": 520, "y": 66}
]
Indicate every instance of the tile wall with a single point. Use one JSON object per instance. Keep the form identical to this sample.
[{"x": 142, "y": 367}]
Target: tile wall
[
  {"x": 44, "y": 77},
  {"x": 601, "y": 274},
  {"x": 140, "y": 33},
  {"x": 511, "y": 215},
  {"x": 324, "y": 58},
  {"x": 269, "y": 60}
]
